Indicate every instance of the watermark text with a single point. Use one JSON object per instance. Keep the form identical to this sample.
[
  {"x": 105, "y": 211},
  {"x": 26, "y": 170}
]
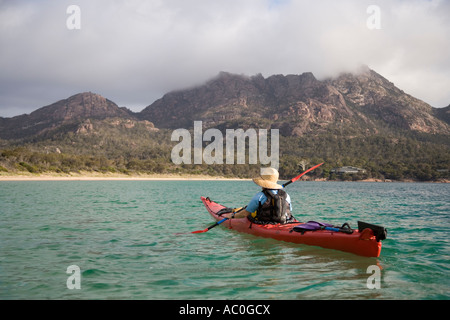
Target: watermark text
[
  {"x": 74, "y": 280},
  {"x": 73, "y": 22},
  {"x": 235, "y": 153},
  {"x": 374, "y": 20},
  {"x": 374, "y": 280}
]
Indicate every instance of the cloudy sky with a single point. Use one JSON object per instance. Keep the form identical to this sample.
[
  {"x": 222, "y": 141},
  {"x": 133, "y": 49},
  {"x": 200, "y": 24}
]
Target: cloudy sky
[{"x": 133, "y": 52}]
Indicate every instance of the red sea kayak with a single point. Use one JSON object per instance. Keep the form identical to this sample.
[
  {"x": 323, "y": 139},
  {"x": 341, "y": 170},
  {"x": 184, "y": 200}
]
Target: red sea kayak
[{"x": 361, "y": 242}]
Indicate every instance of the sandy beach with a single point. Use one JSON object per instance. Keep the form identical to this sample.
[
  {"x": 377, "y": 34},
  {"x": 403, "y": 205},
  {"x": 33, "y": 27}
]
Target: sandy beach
[{"x": 90, "y": 176}]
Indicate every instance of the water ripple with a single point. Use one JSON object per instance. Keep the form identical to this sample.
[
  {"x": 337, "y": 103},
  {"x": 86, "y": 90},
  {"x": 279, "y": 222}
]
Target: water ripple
[{"x": 132, "y": 240}]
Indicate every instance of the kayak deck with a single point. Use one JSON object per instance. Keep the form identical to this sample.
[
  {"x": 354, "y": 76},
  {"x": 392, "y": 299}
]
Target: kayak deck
[{"x": 362, "y": 243}]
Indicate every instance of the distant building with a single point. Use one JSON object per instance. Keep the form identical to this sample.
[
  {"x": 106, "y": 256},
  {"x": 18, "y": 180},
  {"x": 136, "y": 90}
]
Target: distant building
[{"x": 348, "y": 170}]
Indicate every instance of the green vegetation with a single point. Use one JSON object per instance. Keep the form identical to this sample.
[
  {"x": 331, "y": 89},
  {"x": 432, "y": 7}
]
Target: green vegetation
[
  {"x": 383, "y": 157},
  {"x": 112, "y": 148}
]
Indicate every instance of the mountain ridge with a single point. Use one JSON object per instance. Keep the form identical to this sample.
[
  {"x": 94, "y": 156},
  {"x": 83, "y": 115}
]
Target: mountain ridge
[
  {"x": 360, "y": 120},
  {"x": 296, "y": 104}
]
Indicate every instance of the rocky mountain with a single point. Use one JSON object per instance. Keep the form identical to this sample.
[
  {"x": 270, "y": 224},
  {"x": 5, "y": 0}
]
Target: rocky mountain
[
  {"x": 379, "y": 99},
  {"x": 297, "y": 105},
  {"x": 66, "y": 113},
  {"x": 359, "y": 119},
  {"x": 350, "y": 104},
  {"x": 241, "y": 101},
  {"x": 443, "y": 114}
]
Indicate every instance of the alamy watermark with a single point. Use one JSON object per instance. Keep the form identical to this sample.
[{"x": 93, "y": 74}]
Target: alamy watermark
[
  {"x": 73, "y": 22},
  {"x": 374, "y": 20},
  {"x": 74, "y": 280},
  {"x": 190, "y": 149},
  {"x": 374, "y": 280}
]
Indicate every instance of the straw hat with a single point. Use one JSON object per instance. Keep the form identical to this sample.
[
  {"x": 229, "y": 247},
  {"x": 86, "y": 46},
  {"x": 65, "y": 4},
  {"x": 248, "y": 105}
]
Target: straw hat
[{"x": 268, "y": 179}]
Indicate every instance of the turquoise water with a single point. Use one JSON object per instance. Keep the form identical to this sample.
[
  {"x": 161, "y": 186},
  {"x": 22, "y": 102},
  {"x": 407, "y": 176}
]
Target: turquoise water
[{"x": 124, "y": 237}]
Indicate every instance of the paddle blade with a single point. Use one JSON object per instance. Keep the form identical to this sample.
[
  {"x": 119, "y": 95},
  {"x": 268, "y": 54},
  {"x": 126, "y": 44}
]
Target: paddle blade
[
  {"x": 200, "y": 231},
  {"x": 310, "y": 169}
]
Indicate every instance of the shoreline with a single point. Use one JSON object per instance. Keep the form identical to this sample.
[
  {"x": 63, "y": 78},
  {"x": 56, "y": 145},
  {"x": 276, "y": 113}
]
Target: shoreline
[{"x": 90, "y": 176}]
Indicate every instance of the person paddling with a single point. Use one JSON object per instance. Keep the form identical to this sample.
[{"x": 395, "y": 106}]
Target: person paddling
[{"x": 271, "y": 205}]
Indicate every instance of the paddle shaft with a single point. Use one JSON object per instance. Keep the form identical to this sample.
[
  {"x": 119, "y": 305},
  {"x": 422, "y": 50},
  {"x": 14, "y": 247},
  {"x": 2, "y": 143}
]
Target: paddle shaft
[
  {"x": 210, "y": 227},
  {"x": 217, "y": 223},
  {"x": 300, "y": 175}
]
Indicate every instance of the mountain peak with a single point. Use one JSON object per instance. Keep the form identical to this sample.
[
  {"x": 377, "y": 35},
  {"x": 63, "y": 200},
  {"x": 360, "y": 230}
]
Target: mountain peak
[
  {"x": 87, "y": 98},
  {"x": 76, "y": 108},
  {"x": 81, "y": 106}
]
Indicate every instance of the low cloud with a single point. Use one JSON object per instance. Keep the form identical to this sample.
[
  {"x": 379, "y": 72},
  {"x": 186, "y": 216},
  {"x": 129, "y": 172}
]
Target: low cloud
[{"x": 133, "y": 52}]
